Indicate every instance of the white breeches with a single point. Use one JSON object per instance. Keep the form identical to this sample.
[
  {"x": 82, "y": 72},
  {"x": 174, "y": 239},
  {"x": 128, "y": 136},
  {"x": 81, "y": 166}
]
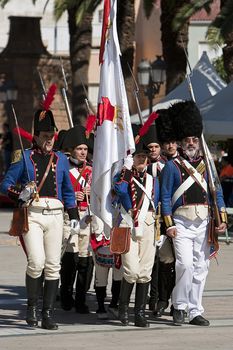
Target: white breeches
[
  {"x": 43, "y": 242},
  {"x": 192, "y": 262},
  {"x": 138, "y": 262}
]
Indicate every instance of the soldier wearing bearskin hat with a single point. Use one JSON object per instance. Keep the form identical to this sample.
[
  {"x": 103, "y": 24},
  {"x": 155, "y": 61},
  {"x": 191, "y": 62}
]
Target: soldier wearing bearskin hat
[
  {"x": 135, "y": 187},
  {"x": 185, "y": 207},
  {"x": 163, "y": 273},
  {"x": 43, "y": 175}
]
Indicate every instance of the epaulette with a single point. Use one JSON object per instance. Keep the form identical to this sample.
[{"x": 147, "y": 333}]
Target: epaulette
[{"x": 16, "y": 156}]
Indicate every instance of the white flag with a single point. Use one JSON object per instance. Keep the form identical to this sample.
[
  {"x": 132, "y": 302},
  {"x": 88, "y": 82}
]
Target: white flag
[{"x": 114, "y": 137}]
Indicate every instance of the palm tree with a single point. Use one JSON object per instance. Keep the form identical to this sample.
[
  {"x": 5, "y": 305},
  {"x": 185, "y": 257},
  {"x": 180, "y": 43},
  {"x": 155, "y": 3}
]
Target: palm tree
[
  {"x": 174, "y": 41},
  {"x": 220, "y": 31}
]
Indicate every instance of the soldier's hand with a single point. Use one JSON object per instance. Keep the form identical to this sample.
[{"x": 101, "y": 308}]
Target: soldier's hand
[
  {"x": 75, "y": 227},
  {"x": 27, "y": 193},
  {"x": 171, "y": 232},
  {"x": 79, "y": 196},
  {"x": 87, "y": 191},
  {"x": 221, "y": 229}
]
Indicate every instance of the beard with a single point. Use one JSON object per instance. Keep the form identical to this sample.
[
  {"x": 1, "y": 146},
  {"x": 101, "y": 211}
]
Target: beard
[{"x": 190, "y": 152}]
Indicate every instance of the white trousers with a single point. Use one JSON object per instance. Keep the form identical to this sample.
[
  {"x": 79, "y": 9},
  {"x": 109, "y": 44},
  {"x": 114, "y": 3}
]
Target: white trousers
[
  {"x": 192, "y": 261},
  {"x": 43, "y": 242},
  {"x": 139, "y": 261}
]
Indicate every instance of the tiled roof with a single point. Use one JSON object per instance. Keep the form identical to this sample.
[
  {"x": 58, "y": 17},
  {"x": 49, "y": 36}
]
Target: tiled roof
[{"x": 203, "y": 16}]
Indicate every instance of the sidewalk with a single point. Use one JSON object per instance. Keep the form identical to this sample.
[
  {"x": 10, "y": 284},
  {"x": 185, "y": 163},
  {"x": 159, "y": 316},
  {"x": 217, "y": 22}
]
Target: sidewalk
[{"x": 86, "y": 332}]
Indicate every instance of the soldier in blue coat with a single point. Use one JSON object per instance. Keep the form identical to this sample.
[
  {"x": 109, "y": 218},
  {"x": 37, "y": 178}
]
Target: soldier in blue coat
[
  {"x": 39, "y": 178},
  {"x": 186, "y": 206},
  {"x": 138, "y": 194}
]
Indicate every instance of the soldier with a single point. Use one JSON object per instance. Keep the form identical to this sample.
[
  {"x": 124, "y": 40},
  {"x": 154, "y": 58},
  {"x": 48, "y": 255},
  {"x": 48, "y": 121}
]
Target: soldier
[
  {"x": 166, "y": 261},
  {"x": 52, "y": 187},
  {"x": 154, "y": 168},
  {"x": 77, "y": 263},
  {"x": 186, "y": 210},
  {"x": 138, "y": 194}
]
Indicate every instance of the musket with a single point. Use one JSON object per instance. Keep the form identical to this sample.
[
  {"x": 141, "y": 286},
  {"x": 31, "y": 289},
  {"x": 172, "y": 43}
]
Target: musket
[
  {"x": 20, "y": 140},
  {"x": 64, "y": 96},
  {"x": 213, "y": 179},
  {"x": 44, "y": 93},
  {"x": 136, "y": 92},
  {"x": 90, "y": 107}
]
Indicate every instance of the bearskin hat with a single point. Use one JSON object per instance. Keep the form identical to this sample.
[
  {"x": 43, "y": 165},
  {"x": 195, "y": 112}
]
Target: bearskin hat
[
  {"x": 165, "y": 127},
  {"x": 76, "y": 136},
  {"x": 186, "y": 119}
]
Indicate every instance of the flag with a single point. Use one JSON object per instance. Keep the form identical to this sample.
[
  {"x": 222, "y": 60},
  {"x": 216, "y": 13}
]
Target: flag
[{"x": 113, "y": 136}]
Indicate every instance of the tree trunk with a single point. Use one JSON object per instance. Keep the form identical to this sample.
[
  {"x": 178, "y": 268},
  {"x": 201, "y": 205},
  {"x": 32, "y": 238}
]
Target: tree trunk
[
  {"x": 80, "y": 52},
  {"x": 173, "y": 44},
  {"x": 228, "y": 51},
  {"x": 126, "y": 34}
]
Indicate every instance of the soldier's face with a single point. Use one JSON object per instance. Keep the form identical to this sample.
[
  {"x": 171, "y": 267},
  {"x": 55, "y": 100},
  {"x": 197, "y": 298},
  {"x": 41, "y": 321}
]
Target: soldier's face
[
  {"x": 45, "y": 141},
  {"x": 80, "y": 153},
  {"x": 170, "y": 148},
  {"x": 190, "y": 145},
  {"x": 140, "y": 161},
  {"x": 155, "y": 150}
]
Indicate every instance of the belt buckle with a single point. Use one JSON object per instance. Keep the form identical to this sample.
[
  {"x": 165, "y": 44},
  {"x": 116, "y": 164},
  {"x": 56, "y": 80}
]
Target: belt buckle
[{"x": 47, "y": 211}]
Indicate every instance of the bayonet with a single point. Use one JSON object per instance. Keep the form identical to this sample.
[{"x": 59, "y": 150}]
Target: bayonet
[
  {"x": 90, "y": 107},
  {"x": 64, "y": 96},
  {"x": 44, "y": 93},
  {"x": 136, "y": 92}
]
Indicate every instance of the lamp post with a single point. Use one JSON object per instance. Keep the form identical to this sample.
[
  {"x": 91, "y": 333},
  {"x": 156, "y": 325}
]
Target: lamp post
[
  {"x": 8, "y": 93},
  {"x": 151, "y": 76}
]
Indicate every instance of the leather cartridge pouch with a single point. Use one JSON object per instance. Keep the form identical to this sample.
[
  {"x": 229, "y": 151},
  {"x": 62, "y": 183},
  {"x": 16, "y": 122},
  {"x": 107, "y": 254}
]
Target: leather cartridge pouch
[
  {"x": 120, "y": 240},
  {"x": 19, "y": 224}
]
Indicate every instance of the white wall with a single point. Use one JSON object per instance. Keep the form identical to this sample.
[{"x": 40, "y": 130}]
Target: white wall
[{"x": 198, "y": 43}]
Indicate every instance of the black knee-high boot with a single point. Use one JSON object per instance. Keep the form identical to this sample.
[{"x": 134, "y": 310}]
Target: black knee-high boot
[
  {"x": 166, "y": 285},
  {"x": 68, "y": 273},
  {"x": 33, "y": 286},
  {"x": 100, "y": 296},
  {"x": 50, "y": 291},
  {"x": 125, "y": 293},
  {"x": 140, "y": 305},
  {"x": 83, "y": 280},
  {"x": 116, "y": 288}
]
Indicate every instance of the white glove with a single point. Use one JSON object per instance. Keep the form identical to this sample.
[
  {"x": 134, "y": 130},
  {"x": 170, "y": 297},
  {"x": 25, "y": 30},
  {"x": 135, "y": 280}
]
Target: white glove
[
  {"x": 128, "y": 162},
  {"x": 27, "y": 193},
  {"x": 75, "y": 227}
]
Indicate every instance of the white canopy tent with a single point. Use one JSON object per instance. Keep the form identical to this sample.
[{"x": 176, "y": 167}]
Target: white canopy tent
[
  {"x": 205, "y": 82},
  {"x": 217, "y": 114}
]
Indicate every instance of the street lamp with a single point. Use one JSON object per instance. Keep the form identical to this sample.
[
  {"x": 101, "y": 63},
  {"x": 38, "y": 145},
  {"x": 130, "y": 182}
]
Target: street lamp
[
  {"x": 8, "y": 90},
  {"x": 151, "y": 76}
]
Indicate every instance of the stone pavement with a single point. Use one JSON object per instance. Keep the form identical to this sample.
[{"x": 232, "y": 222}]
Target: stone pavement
[{"x": 87, "y": 332}]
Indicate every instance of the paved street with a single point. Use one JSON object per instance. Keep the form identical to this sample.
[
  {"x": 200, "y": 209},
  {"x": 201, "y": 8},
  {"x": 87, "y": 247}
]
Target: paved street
[{"x": 86, "y": 332}]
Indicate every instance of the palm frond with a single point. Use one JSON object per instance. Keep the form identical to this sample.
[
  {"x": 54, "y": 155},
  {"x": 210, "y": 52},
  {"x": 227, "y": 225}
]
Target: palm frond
[
  {"x": 80, "y": 6},
  {"x": 3, "y": 3},
  {"x": 224, "y": 21},
  {"x": 214, "y": 37},
  {"x": 188, "y": 10}
]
